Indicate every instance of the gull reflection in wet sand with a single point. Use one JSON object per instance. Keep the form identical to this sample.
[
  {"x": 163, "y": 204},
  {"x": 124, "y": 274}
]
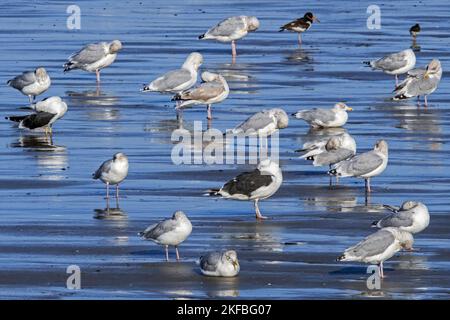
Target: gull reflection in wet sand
[
  {"x": 90, "y": 98},
  {"x": 110, "y": 213},
  {"x": 238, "y": 77},
  {"x": 49, "y": 156}
]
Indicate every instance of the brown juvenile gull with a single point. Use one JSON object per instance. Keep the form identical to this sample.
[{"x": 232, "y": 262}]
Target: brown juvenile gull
[
  {"x": 379, "y": 247},
  {"x": 300, "y": 25},
  {"x": 262, "y": 123},
  {"x": 214, "y": 89},
  {"x": 364, "y": 165},
  {"x": 220, "y": 264},
  {"x": 113, "y": 172},
  {"x": 325, "y": 118},
  {"x": 31, "y": 83},
  {"x": 47, "y": 112},
  {"x": 412, "y": 217},
  {"x": 259, "y": 184},
  {"x": 420, "y": 82},
  {"x": 395, "y": 63},
  {"x": 231, "y": 29},
  {"x": 94, "y": 57},
  {"x": 170, "y": 232}
]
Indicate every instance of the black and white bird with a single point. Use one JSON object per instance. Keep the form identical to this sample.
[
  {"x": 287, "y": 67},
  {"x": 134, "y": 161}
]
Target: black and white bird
[
  {"x": 395, "y": 63},
  {"x": 259, "y": 184},
  {"x": 231, "y": 29},
  {"x": 220, "y": 264},
  {"x": 412, "y": 217},
  {"x": 170, "y": 232},
  {"x": 420, "y": 82},
  {"x": 94, "y": 57},
  {"x": 113, "y": 172},
  {"x": 300, "y": 25},
  {"x": 46, "y": 113},
  {"x": 379, "y": 247},
  {"x": 31, "y": 83}
]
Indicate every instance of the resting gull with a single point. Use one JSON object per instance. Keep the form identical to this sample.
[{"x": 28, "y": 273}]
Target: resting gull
[
  {"x": 113, "y": 172},
  {"x": 178, "y": 80},
  {"x": 412, "y": 217},
  {"x": 214, "y": 89},
  {"x": 395, "y": 63},
  {"x": 364, "y": 165},
  {"x": 231, "y": 29},
  {"x": 379, "y": 247},
  {"x": 31, "y": 83},
  {"x": 300, "y": 25},
  {"x": 262, "y": 123},
  {"x": 170, "y": 232},
  {"x": 261, "y": 183},
  {"x": 325, "y": 118},
  {"x": 94, "y": 57},
  {"x": 330, "y": 151},
  {"x": 46, "y": 113},
  {"x": 420, "y": 82},
  {"x": 220, "y": 264}
]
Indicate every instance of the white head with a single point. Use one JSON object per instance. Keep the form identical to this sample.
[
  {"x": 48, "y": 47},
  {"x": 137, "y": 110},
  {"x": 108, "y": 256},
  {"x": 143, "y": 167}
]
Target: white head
[
  {"x": 41, "y": 73},
  {"x": 408, "y": 205},
  {"x": 209, "y": 76},
  {"x": 252, "y": 23},
  {"x": 433, "y": 69},
  {"x": 230, "y": 256},
  {"x": 115, "y": 46},
  {"x": 282, "y": 118},
  {"x": 121, "y": 157},
  {"x": 381, "y": 146},
  {"x": 333, "y": 143},
  {"x": 342, "y": 106},
  {"x": 194, "y": 60},
  {"x": 405, "y": 238},
  {"x": 268, "y": 166},
  {"x": 179, "y": 215}
]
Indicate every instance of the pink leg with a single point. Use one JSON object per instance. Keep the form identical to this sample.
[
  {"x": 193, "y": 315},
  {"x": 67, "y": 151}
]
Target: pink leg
[
  {"x": 426, "y": 102},
  {"x": 178, "y": 255},
  {"x": 208, "y": 109},
  {"x": 107, "y": 190},
  {"x": 167, "y": 253},
  {"x": 233, "y": 49},
  {"x": 368, "y": 185},
  {"x": 97, "y": 73},
  {"x": 381, "y": 270},
  {"x": 299, "y": 39}
]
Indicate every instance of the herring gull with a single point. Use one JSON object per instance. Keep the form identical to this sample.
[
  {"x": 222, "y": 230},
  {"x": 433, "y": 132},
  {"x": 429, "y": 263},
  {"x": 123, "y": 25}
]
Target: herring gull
[
  {"x": 169, "y": 232},
  {"x": 31, "y": 83},
  {"x": 259, "y": 184},
  {"x": 263, "y": 123},
  {"x": 94, "y": 57},
  {"x": 325, "y": 118},
  {"x": 113, "y": 172},
  {"x": 220, "y": 264}
]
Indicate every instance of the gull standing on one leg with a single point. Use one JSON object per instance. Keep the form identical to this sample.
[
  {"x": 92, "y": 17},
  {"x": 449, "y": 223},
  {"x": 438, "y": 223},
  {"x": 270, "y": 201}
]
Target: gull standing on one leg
[
  {"x": 113, "y": 172},
  {"x": 300, "y": 25}
]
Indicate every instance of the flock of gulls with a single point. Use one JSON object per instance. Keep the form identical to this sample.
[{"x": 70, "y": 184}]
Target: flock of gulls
[{"x": 338, "y": 153}]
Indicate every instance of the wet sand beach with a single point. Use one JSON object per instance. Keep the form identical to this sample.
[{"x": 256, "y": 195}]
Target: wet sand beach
[{"x": 54, "y": 215}]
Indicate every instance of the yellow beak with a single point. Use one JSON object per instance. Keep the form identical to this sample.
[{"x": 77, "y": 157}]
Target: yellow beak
[
  {"x": 426, "y": 74},
  {"x": 349, "y": 109},
  {"x": 235, "y": 264}
]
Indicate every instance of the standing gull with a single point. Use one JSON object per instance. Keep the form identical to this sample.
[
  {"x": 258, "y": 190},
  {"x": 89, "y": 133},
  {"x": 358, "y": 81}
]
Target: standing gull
[
  {"x": 412, "y": 217},
  {"x": 113, "y": 172},
  {"x": 170, "y": 232},
  {"x": 94, "y": 57},
  {"x": 46, "y": 113},
  {"x": 262, "y": 123},
  {"x": 420, "y": 82},
  {"x": 31, "y": 83},
  {"x": 300, "y": 25},
  {"x": 259, "y": 184},
  {"x": 395, "y": 63},
  {"x": 220, "y": 264},
  {"x": 364, "y": 165},
  {"x": 214, "y": 89},
  {"x": 178, "y": 80},
  {"x": 232, "y": 29},
  {"x": 329, "y": 151},
  {"x": 325, "y": 118},
  {"x": 379, "y": 247}
]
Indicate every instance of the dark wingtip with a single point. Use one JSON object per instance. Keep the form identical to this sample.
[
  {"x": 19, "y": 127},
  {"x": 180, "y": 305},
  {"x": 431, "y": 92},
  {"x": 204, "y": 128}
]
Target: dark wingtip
[
  {"x": 201, "y": 36},
  {"x": 340, "y": 258},
  {"x": 374, "y": 224},
  {"x": 366, "y": 63},
  {"x": 332, "y": 172}
]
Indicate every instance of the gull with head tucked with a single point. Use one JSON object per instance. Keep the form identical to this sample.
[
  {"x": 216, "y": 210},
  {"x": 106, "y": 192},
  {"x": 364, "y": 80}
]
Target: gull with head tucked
[{"x": 325, "y": 118}]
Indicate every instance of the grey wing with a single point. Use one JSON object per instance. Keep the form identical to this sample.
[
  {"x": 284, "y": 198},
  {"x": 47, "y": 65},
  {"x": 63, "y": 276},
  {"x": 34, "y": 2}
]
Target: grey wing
[
  {"x": 105, "y": 167},
  {"x": 373, "y": 245},
  {"x": 363, "y": 163},
  {"x": 399, "y": 219},
  {"x": 209, "y": 262},
  {"x": 171, "y": 80},
  {"x": 23, "y": 80},
  {"x": 392, "y": 62},
  {"x": 332, "y": 157},
  {"x": 203, "y": 92},
  {"x": 227, "y": 27},
  {"x": 89, "y": 54},
  {"x": 321, "y": 115},
  {"x": 256, "y": 122},
  {"x": 155, "y": 231},
  {"x": 419, "y": 85}
]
